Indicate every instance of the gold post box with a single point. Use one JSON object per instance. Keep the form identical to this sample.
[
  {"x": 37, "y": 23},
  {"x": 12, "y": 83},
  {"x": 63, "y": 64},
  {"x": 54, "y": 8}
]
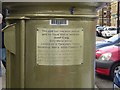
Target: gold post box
[{"x": 50, "y": 45}]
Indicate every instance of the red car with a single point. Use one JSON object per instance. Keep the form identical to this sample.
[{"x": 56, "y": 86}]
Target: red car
[{"x": 108, "y": 60}]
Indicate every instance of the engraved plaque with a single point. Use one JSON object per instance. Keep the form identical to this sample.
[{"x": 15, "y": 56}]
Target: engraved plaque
[{"x": 59, "y": 46}]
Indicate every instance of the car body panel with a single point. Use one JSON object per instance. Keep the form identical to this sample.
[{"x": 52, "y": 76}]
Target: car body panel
[
  {"x": 109, "y": 31},
  {"x": 104, "y": 67},
  {"x": 107, "y": 42},
  {"x": 103, "y": 71},
  {"x": 115, "y": 50},
  {"x": 100, "y": 44}
]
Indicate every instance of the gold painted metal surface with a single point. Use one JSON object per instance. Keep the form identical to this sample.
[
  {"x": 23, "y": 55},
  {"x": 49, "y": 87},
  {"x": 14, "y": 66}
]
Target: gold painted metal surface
[
  {"x": 73, "y": 76},
  {"x": 28, "y": 16},
  {"x": 22, "y": 52},
  {"x": 9, "y": 38},
  {"x": 25, "y": 70}
]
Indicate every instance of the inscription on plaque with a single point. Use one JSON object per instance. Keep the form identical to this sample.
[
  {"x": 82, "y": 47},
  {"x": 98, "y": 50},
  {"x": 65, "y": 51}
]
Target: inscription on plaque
[{"x": 59, "y": 46}]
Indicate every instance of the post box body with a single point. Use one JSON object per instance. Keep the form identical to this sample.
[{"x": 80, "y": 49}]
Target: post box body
[{"x": 53, "y": 45}]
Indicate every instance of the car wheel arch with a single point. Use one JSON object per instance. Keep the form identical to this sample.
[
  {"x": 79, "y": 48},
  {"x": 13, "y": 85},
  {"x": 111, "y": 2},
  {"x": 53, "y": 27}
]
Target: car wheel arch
[{"x": 113, "y": 67}]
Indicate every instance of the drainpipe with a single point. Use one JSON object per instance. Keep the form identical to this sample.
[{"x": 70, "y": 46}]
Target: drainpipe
[{"x": 118, "y": 17}]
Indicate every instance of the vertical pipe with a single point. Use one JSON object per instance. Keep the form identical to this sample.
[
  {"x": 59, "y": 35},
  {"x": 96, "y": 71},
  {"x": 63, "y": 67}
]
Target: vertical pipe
[
  {"x": 109, "y": 14},
  {"x": 118, "y": 17},
  {"x": 102, "y": 16},
  {"x": 22, "y": 49}
]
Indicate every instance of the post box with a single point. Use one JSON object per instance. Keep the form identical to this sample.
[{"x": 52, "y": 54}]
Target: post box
[{"x": 50, "y": 45}]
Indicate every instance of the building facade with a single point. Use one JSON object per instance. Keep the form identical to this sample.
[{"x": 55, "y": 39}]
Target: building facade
[
  {"x": 104, "y": 15},
  {"x": 114, "y": 18}
]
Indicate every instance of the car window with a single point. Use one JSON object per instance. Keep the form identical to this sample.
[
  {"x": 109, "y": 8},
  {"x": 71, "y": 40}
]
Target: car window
[
  {"x": 105, "y": 28},
  {"x": 112, "y": 29},
  {"x": 100, "y": 28}
]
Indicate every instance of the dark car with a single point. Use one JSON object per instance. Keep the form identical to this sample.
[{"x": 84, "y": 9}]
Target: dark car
[
  {"x": 99, "y": 30},
  {"x": 116, "y": 81},
  {"x": 107, "y": 42}
]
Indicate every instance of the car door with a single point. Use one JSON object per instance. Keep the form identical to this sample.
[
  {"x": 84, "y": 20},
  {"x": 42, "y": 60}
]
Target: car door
[{"x": 112, "y": 31}]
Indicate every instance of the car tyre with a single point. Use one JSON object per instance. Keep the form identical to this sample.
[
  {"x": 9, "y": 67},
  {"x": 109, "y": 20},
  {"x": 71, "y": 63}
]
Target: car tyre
[{"x": 114, "y": 69}]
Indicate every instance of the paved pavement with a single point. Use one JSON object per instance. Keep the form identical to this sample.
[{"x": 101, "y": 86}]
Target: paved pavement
[
  {"x": 0, "y": 82},
  {"x": 102, "y": 81},
  {"x": 2, "y": 78},
  {"x": 99, "y": 38}
]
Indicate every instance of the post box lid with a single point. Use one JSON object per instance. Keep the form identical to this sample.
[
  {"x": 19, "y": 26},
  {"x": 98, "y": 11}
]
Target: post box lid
[
  {"x": 56, "y": 0},
  {"x": 80, "y": 3}
]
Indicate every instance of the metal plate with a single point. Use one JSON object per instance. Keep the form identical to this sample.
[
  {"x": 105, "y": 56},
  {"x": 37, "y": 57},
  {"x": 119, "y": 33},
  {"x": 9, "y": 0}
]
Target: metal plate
[
  {"x": 9, "y": 38},
  {"x": 59, "y": 46}
]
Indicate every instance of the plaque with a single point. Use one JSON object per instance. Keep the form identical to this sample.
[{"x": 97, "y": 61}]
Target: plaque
[{"x": 59, "y": 46}]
